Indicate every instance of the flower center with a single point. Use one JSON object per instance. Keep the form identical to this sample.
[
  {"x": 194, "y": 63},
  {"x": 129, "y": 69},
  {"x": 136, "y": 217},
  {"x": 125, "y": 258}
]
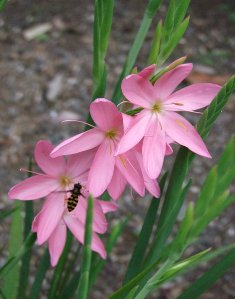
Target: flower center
[
  {"x": 65, "y": 181},
  {"x": 111, "y": 134},
  {"x": 156, "y": 107}
]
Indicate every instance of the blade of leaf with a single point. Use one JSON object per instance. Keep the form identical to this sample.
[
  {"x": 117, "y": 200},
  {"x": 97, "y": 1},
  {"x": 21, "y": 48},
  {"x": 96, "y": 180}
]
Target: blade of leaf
[
  {"x": 83, "y": 286},
  {"x": 15, "y": 241},
  {"x": 155, "y": 47},
  {"x": 60, "y": 268},
  {"x": 3, "y": 4},
  {"x": 7, "y": 212},
  {"x": 165, "y": 227},
  {"x": 149, "y": 13},
  {"x": 98, "y": 264},
  {"x": 25, "y": 262},
  {"x": 207, "y": 280},
  {"x": 40, "y": 275},
  {"x": 138, "y": 254},
  {"x": 184, "y": 159},
  {"x": 12, "y": 262}
]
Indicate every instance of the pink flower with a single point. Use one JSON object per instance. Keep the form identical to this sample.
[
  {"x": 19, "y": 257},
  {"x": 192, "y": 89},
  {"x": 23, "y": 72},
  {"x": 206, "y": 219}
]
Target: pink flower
[
  {"x": 107, "y": 170},
  {"x": 60, "y": 176},
  {"x": 159, "y": 119}
]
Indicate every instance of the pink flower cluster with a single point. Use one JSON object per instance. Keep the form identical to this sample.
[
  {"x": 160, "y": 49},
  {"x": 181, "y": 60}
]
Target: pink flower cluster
[{"x": 120, "y": 150}]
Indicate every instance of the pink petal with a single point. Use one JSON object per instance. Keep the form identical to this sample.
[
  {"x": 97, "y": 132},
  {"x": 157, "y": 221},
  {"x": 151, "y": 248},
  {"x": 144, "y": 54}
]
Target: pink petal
[
  {"x": 102, "y": 168},
  {"x": 166, "y": 84},
  {"x": 34, "y": 187},
  {"x": 108, "y": 206},
  {"x": 105, "y": 114},
  {"x": 146, "y": 72},
  {"x": 127, "y": 120},
  {"x": 49, "y": 217},
  {"x": 56, "y": 242},
  {"x": 100, "y": 224},
  {"x": 135, "y": 132},
  {"x": 77, "y": 229},
  {"x": 79, "y": 143},
  {"x": 80, "y": 163},
  {"x": 138, "y": 91},
  {"x": 154, "y": 149},
  {"x": 150, "y": 184},
  {"x": 117, "y": 184},
  {"x": 169, "y": 150},
  {"x": 52, "y": 167},
  {"x": 193, "y": 97},
  {"x": 129, "y": 167},
  {"x": 181, "y": 131}
]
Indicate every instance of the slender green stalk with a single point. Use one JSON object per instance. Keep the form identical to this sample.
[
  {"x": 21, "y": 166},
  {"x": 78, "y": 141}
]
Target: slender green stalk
[
  {"x": 25, "y": 263},
  {"x": 83, "y": 286},
  {"x": 40, "y": 275}
]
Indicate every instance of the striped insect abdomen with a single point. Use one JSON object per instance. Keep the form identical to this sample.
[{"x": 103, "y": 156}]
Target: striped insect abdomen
[{"x": 73, "y": 199}]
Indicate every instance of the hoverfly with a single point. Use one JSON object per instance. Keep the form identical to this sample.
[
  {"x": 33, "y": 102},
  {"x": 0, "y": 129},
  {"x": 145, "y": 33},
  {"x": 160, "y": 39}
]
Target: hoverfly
[{"x": 72, "y": 201}]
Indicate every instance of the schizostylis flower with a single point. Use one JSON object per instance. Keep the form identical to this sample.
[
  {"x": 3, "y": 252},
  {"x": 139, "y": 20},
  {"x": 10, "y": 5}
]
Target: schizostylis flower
[
  {"x": 107, "y": 170},
  {"x": 55, "y": 184},
  {"x": 159, "y": 118}
]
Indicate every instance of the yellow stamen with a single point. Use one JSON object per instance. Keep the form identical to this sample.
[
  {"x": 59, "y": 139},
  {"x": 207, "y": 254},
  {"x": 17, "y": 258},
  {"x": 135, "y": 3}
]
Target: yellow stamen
[
  {"x": 65, "y": 181},
  {"x": 156, "y": 107},
  {"x": 110, "y": 134}
]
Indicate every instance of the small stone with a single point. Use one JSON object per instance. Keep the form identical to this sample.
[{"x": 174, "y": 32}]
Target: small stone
[{"x": 54, "y": 87}]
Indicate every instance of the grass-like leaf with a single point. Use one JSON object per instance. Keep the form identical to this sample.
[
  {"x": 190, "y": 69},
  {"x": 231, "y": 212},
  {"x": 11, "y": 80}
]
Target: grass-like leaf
[
  {"x": 203, "y": 283},
  {"x": 12, "y": 261},
  {"x": 7, "y": 212},
  {"x": 97, "y": 262},
  {"x": 141, "y": 245},
  {"x": 15, "y": 241},
  {"x": 149, "y": 13},
  {"x": 25, "y": 262},
  {"x": 181, "y": 166},
  {"x": 58, "y": 272},
  {"x": 3, "y": 4},
  {"x": 40, "y": 275},
  {"x": 83, "y": 286}
]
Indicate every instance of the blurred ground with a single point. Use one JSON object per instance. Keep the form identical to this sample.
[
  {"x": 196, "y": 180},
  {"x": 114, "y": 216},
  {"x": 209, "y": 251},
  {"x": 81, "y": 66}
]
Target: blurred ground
[{"x": 47, "y": 79}]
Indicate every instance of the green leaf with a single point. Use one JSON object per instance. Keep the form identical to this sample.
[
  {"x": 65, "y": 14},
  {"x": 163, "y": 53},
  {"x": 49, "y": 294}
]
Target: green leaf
[
  {"x": 58, "y": 272},
  {"x": 167, "y": 272},
  {"x": 3, "y": 4},
  {"x": 13, "y": 261},
  {"x": 168, "y": 47},
  {"x": 25, "y": 262},
  {"x": 149, "y": 13},
  {"x": 207, "y": 193},
  {"x": 119, "y": 294},
  {"x": 227, "y": 157},
  {"x": 179, "y": 242},
  {"x": 141, "y": 245},
  {"x": 165, "y": 225},
  {"x": 172, "y": 202},
  {"x": 210, "y": 115},
  {"x": 7, "y": 212},
  {"x": 155, "y": 47},
  {"x": 40, "y": 275},
  {"x": 83, "y": 286},
  {"x": 97, "y": 262},
  {"x": 131, "y": 294},
  {"x": 15, "y": 241},
  {"x": 210, "y": 277}
]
